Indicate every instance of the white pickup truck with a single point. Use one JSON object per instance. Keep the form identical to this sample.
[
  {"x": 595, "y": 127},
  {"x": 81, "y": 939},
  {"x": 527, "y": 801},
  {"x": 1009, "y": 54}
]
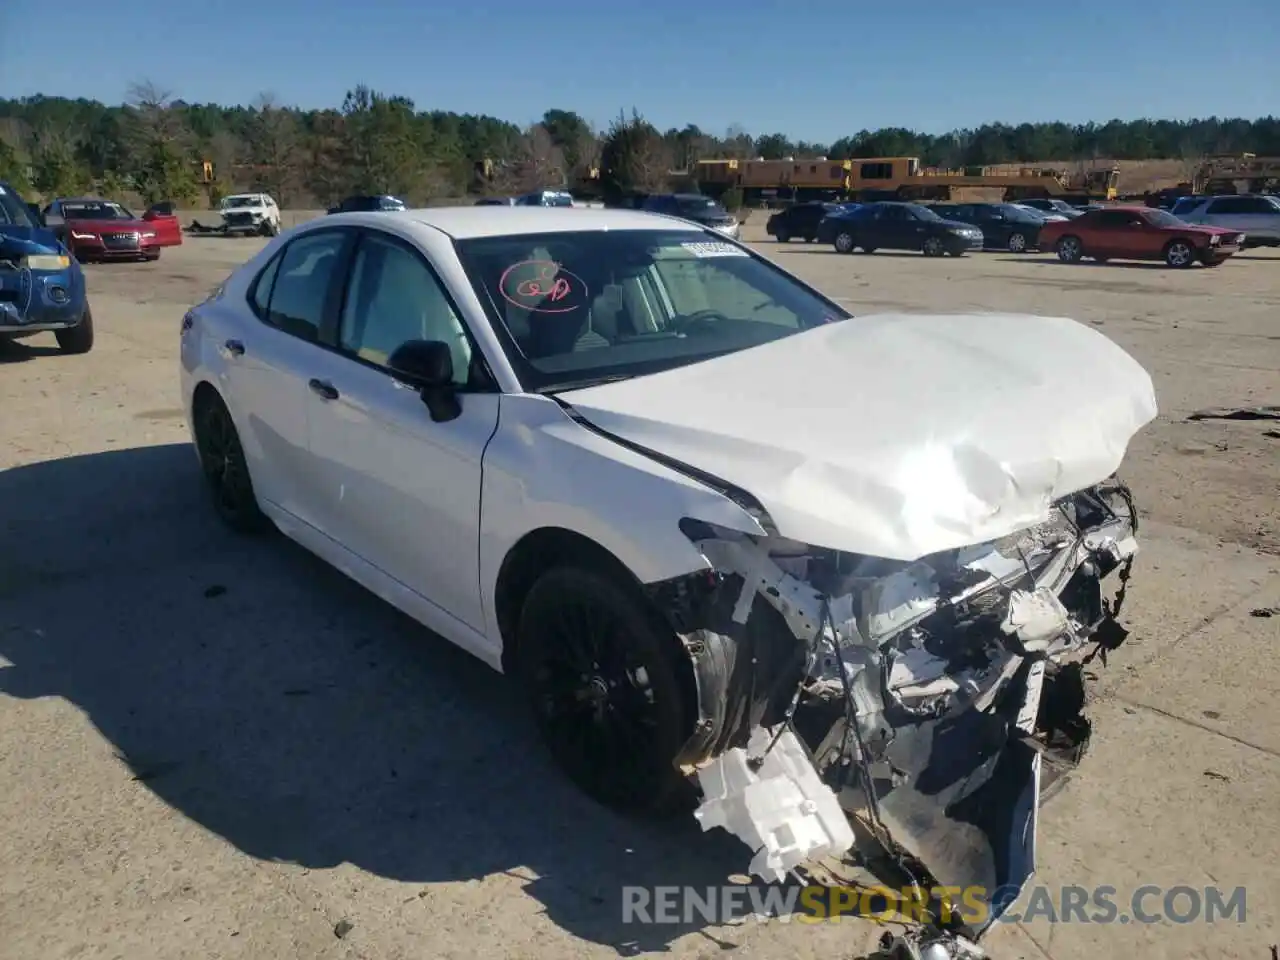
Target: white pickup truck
[{"x": 250, "y": 213}]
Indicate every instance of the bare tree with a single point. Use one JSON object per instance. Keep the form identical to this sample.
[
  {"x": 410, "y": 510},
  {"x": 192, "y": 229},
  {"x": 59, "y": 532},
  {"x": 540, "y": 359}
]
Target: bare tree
[
  {"x": 161, "y": 145},
  {"x": 535, "y": 163},
  {"x": 275, "y": 147}
]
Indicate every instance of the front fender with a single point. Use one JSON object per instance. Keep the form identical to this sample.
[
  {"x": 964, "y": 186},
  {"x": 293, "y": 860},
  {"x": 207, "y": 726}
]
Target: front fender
[{"x": 543, "y": 469}]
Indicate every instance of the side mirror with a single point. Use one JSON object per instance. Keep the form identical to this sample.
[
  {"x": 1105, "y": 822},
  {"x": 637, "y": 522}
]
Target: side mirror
[{"x": 428, "y": 365}]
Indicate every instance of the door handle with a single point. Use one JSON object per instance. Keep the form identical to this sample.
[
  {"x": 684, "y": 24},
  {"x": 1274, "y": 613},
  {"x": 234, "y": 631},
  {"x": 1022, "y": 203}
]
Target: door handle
[
  {"x": 233, "y": 348},
  {"x": 324, "y": 389}
]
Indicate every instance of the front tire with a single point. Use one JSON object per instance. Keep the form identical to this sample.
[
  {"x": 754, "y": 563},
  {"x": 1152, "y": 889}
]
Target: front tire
[
  {"x": 1179, "y": 254},
  {"x": 1017, "y": 242},
  {"x": 226, "y": 469},
  {"x": 596, "y": 667},
  {"x": 77, "y": 339},
  {"x": 1070, "y": 250},
  {"x": 781, "y": 235},
  {"x": 844, "y": 242},
  {"x": 933, "y": 247}
]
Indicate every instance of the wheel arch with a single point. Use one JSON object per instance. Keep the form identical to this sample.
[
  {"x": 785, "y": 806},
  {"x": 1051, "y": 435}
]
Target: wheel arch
[{"x": 549, "y": 547}]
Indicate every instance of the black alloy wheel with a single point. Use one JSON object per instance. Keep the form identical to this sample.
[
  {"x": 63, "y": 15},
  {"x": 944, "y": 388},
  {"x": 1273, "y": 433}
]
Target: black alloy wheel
[
  {"x": 225, "y": 468},
  {"x": 595, "y": 665}
]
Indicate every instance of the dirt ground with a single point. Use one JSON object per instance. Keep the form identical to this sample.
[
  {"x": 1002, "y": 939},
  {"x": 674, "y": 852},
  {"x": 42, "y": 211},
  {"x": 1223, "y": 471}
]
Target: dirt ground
[{"x": 213, "y": 748}]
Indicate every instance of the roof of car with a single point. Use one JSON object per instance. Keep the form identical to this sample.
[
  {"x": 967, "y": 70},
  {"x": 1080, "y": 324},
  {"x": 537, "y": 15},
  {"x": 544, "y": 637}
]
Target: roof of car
[{"x": 495, "y": 221}]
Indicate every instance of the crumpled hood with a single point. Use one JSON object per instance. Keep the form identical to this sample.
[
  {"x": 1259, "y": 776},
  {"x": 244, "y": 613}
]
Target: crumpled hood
[{"x": 896, "y": 435}]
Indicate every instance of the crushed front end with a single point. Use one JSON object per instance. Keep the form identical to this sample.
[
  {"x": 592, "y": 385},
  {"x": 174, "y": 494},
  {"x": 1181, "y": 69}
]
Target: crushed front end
[
  {"x": 41, "y": 286},
  {"x": 904, "y": 717}
]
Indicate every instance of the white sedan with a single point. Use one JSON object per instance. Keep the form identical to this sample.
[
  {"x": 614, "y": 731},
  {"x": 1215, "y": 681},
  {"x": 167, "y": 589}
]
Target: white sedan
[{"x": 695, "y": 507}]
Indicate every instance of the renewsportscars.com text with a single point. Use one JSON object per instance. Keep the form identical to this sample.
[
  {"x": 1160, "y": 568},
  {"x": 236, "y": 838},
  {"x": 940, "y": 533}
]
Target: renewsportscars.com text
[{"x": 1148, "y": 903}]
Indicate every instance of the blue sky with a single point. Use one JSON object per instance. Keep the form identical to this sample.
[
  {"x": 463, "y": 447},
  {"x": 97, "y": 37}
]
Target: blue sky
[{"x": 813, "y": 69}]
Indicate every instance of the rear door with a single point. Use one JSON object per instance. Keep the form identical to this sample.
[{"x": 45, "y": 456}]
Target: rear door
[
  {"x": 268, "y": 362},
  {"x": 896, "y": 229}
]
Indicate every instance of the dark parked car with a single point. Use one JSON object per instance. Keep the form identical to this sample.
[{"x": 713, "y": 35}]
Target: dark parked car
[
  {"x": 41, "y": 285},
  {"x": 695, "y": 207},
  {"x": 365, "y": 203},
  {"x": 1003, "y": 226},
  {"x": 890, "y": 225},
  {"x": 1049, "y": 205},
  {"x": 799, "y": 220}
]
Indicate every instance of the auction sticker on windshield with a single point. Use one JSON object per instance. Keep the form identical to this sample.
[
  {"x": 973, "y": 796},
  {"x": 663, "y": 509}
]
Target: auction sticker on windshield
[
  {"x": 712, "y": 249},
  {"x": 542, "y": 286}
]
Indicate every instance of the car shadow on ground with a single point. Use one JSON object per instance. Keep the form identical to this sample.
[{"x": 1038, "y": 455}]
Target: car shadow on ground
[
  {"x": 1048, "y": 261},
  {"x": 16, "y": 351},
  {"x": 828, "y": 249},
  {"x": 279, "y": 705}
]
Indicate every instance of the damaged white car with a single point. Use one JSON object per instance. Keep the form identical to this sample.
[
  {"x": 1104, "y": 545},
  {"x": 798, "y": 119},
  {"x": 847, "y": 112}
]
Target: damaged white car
[{"x": 830, "y": 571}]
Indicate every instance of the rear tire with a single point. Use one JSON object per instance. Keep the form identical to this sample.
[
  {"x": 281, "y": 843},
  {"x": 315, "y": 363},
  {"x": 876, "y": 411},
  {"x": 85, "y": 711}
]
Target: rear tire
[
  {"x": 781, "y": 235},
  {"x": 1017, "y": 242},
  {"x": 226, "y": 469},
  {"x": 77, "y": 339},
  {"x": 844, "y": 242},
  {"x": 596, "y": 666}
]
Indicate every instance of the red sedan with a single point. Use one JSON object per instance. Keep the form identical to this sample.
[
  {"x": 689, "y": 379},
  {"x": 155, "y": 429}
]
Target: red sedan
[
  {"x": 102, "y": 230},
  {"x": 1138, "y": 233}
]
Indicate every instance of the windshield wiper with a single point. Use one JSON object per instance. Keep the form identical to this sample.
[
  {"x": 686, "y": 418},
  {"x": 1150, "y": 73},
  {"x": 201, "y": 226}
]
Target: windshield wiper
[{"x": 584, "y": 383}]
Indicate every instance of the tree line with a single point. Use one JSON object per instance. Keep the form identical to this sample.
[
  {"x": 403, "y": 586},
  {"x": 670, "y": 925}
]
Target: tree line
[{"x": 156, "y": 144}]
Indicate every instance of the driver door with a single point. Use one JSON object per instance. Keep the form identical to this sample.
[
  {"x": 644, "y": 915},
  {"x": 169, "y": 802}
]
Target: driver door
[
  {"x": 899, "y": 230},
  {"x": 398, "y": 489}
]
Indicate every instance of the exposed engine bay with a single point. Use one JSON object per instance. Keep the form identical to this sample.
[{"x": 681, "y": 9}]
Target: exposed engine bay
[{"x": 899, "y": 719}]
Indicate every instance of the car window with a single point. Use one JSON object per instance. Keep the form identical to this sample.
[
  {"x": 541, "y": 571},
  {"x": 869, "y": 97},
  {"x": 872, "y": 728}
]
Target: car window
[
  {"x": 394, "y": 297},
  {"x": 13, "y": 211},
  {"x": 1115, "y": 218},
  {"x": 302, "y": 283},
  {"x": 260, "y": 294}
]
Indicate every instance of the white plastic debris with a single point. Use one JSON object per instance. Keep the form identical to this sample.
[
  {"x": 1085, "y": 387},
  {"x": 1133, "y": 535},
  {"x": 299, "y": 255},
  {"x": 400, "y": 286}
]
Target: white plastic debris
[
  {"x": 1037, "y": 618},
  {"x": 783, "y": 810}
]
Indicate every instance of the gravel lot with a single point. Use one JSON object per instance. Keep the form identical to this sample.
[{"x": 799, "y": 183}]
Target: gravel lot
[{"x": 218, "y": 748}]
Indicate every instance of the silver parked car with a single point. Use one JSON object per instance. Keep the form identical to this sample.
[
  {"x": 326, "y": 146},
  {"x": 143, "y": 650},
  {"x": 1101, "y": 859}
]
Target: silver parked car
[{"x": 1256, "y": 215}]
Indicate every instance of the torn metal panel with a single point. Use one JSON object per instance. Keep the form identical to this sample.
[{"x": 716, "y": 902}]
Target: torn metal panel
[{"x": 935, "y": 698}]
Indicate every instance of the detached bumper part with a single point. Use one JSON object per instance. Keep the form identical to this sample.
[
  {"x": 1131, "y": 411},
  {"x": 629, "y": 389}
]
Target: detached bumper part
[
  {"x": 931, "y": 702},
  {"x": 770, "y": 796}
]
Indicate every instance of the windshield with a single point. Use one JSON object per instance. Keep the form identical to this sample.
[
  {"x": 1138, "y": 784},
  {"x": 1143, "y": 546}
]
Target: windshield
[
  {"x": 581, "y": 307},
  {"x": 922, "y": 213},
  {"x": 1162, "y": 218},
  {"x": 13, "y": 212},
  {"x": 1061, "y": 205},
  {"x": 1014, "y": 212},
  {"x": 231, "y": 203},
  {"x": 95, "y": 210}
]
